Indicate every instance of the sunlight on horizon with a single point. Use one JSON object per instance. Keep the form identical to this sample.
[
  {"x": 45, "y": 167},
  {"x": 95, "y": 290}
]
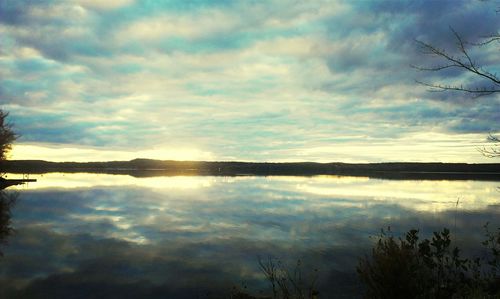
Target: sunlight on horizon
[
  {"x": 64, "y": 153},
  {"x": 430, "y": 147}
]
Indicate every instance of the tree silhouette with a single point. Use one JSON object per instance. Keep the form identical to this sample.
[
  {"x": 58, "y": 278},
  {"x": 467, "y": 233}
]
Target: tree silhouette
[{"x": 7, "y": 135}]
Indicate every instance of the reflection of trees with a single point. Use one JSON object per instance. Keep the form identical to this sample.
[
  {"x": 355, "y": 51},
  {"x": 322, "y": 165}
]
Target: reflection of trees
[{"x": 7, "y": 200}]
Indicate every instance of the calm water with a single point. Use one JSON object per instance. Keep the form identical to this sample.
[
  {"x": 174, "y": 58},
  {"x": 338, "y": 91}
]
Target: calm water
[{"x": 110, "y": 236}]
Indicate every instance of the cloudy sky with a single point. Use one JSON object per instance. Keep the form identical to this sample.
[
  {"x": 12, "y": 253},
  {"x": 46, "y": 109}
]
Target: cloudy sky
[{"x": 243, "y": 80}]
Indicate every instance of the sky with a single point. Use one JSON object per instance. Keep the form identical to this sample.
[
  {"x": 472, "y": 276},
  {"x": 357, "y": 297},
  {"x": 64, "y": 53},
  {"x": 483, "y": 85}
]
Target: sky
[{"x": 325, "y": 81}]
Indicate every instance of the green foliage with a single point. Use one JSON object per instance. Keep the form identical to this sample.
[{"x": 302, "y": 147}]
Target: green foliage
[{"x": 410, "y": 268}]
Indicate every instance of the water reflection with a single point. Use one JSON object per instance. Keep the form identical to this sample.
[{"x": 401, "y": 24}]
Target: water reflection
[
  {"x": 175, "y": 237},
  {"x": 7, "y": 200},
  {"x": 90, "y": 180}
]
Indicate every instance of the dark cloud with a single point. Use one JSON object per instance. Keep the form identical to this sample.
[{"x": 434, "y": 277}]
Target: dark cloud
[
  {"x": 13, "y": 12},
  {"x": 55, "y": 46},
  {"x": 400, "y": 23},
  {"x": 379, "y": 48}
]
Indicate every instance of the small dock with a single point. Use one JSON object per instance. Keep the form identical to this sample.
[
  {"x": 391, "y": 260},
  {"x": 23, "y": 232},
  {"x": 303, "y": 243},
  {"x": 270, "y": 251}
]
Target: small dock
[{"x": 4, "y": 183}]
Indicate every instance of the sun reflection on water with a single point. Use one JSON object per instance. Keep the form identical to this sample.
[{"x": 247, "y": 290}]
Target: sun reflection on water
[{"x": 88, "y": 180}]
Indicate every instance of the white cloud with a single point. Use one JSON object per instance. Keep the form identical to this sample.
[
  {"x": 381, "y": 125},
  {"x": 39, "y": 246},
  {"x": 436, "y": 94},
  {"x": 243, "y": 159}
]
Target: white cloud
[
  {"x": 103, "y": 5},
  {"x": 195, "y": 25}
]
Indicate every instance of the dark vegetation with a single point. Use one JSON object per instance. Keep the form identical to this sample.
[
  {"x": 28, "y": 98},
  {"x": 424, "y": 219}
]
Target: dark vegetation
[
  {"x": 404, "y": 267},
  {"x": 7, "y": 200},
  {"x": 430, "y": 268},
  {"x": 288, "y": 284},
  {"x": 146, "y": 167},
  {"x": 285, "y": 282},
  {"x": 7, "y": 135}
]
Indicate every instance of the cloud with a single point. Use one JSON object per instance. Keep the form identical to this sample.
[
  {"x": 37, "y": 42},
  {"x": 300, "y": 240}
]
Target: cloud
[
  {"x": 107, "y": 5},
  {"x": 148, "y": 241},
  {"x": 243, "y": 80}
]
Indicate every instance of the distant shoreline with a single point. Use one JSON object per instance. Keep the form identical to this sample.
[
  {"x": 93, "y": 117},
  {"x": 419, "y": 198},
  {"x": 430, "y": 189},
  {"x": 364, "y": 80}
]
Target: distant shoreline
[{"x": 151, "y": 168}]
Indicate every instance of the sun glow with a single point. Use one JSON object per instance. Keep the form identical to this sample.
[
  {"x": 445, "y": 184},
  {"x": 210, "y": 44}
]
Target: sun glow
[{"x": 60, "y": 153}]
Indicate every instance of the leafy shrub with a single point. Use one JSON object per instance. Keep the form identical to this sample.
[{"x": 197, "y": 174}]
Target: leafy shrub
[{"x": 410, "y": 268}]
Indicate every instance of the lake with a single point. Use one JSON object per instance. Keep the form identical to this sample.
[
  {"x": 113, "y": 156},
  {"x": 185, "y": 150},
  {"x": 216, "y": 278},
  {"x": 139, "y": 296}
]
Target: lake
[{"x": 116, "y": 236}]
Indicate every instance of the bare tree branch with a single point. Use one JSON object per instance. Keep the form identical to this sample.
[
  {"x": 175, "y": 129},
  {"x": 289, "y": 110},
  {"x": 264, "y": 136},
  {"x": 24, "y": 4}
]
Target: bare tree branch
[
  {"x": 475, "y": 92},
  {"x": 487, "y": 40},
  {"x": 493, "y": 151},
  {"x": 465, "y": 62}
]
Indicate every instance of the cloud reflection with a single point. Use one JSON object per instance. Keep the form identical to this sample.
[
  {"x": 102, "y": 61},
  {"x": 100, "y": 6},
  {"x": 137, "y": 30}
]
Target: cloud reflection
[
  {"x": 90, "y": 180},
  {"x": 141, "y": 242}
]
